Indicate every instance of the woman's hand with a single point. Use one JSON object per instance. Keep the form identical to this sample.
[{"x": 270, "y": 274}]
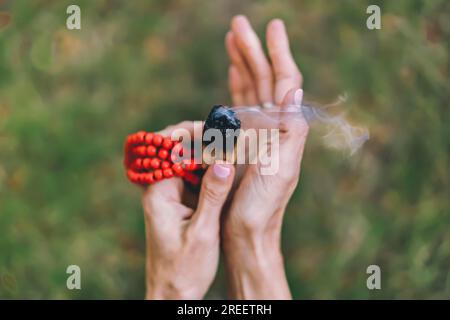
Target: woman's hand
[
  {"x": 252, "y": 226},
  {"x": 253, "y": 80},
  {"x": 182, "y": 243}
]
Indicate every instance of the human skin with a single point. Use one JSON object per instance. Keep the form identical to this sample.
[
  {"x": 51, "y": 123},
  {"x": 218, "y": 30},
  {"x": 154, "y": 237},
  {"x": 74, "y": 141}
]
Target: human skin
[
  {"x": 183, "y": 243},
  {"x": 251, "y": 230}
]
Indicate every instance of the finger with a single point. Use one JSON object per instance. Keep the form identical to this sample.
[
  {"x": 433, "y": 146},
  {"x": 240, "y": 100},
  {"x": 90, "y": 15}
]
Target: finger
[
  {"x": 236, "y": 86},
  {"x": 293, "y": 127},
  {"x": 250, "y": 47},
  {"x": 247, "y": 84},
  {"x": 216, "y": 185},
  {"x": 162, "y": 201},
  {"x": 166, "y": 189},
  {"x": 290, "y": 118},
  {"x": 189, "y": 126},
  {"x": 187, "y": 132},
  {"x": 287, "y": 74},
  {"x": 286, "y": 150}
]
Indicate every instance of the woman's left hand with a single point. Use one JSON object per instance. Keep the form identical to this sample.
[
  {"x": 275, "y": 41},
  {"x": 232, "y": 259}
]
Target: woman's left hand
[{"x": 252, "y": 225}]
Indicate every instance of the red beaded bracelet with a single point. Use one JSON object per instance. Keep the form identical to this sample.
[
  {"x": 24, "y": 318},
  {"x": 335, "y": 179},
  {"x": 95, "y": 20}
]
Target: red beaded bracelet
[{"x": 149, "y": 157}]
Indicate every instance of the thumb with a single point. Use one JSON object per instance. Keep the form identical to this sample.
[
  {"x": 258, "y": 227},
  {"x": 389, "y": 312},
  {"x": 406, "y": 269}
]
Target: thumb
[{"x": 216, "y": 185}]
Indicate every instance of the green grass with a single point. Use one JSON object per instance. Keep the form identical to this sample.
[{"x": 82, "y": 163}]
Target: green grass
[{"x": 68, "y": 99}]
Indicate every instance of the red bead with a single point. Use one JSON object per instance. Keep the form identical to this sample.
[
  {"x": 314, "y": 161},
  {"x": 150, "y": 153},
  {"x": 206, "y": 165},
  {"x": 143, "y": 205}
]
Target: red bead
[
  {"x": 158, "y": 174},
  {"x": 157, "y": 140},
  {"x": 130, "y": 175},
  {"x": 139, "y": 178},
  {"x": 192, "y": 178},
  {"x": 189, "y": 165},
  {"x": 151, "y": 151},
  {"x": 138, "y": 163},
  {"x": 168, "y": 173},
  {"x": 149, "y": 138},
  {"x": 140, "y": 151},
  {"x": 146, "y": 163},
  {"x": 132, "y": 138},
  {"x": 167, "y": 143},
  {"x": 140, "y": 136},
  {"x": 148, "y": 159},
  {"x": 149, "y": 178},
  {"x": 155, "y": 163},
  {"x": 165, "y": 165},
  {"x": 163, "y": 153},
  {"x": 176, "y": 167},
  {"x": 129, "y": 139}
]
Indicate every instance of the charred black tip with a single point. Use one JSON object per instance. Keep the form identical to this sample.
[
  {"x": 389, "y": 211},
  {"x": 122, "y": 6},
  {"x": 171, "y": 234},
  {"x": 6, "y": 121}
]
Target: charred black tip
[{"x": 222, "y": 118}]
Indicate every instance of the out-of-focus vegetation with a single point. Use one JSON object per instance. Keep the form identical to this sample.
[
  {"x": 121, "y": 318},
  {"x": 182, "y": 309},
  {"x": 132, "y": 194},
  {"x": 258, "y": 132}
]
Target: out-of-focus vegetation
[{"x": 68, "y": 99}]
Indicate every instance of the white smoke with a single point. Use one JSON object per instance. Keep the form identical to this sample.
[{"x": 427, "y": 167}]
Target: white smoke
[{"x": 337, "y": 131}]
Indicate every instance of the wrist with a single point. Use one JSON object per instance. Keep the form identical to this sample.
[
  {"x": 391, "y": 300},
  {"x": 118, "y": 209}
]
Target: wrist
[
  {"x": 255, "y": 267},
  {"x": 258, "y": 243}
]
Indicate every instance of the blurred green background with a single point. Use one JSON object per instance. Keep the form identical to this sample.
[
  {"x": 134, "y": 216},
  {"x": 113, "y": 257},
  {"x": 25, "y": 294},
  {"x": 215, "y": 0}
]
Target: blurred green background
[{"x": 69, "y": 98}]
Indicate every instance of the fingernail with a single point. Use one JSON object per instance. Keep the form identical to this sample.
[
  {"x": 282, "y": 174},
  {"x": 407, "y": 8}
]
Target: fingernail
[
  {"x": 221, "y": 171},
  {"x": 298, "y": 97},
  {"x": 267, "y": 105}
]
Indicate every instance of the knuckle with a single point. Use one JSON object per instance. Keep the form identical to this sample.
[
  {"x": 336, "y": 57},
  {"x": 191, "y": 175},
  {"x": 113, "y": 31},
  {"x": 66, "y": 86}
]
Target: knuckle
[
  {"x": 282, "y": 75},
  {"x": 264, "y": 74},
  {"x": 252, "y": 225},
  {"x": 286, "y": 127},
  {"x": 297, "y": 78},
  {"x": 294, "y": 76},
  {"x": 250, "y": 44},
  {"x": 212, "y": 193}
]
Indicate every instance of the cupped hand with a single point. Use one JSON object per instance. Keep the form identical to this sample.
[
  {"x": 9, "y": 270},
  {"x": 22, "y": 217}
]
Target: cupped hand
[{"x": 183, "y": 243}]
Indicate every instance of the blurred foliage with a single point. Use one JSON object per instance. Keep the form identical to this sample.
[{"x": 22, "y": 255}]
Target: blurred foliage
[{"x": 68, "y": 99}]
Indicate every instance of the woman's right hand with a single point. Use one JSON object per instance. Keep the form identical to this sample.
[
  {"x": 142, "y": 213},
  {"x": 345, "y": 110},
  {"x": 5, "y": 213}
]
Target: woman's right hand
[{"x": 252, "y": 225}]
